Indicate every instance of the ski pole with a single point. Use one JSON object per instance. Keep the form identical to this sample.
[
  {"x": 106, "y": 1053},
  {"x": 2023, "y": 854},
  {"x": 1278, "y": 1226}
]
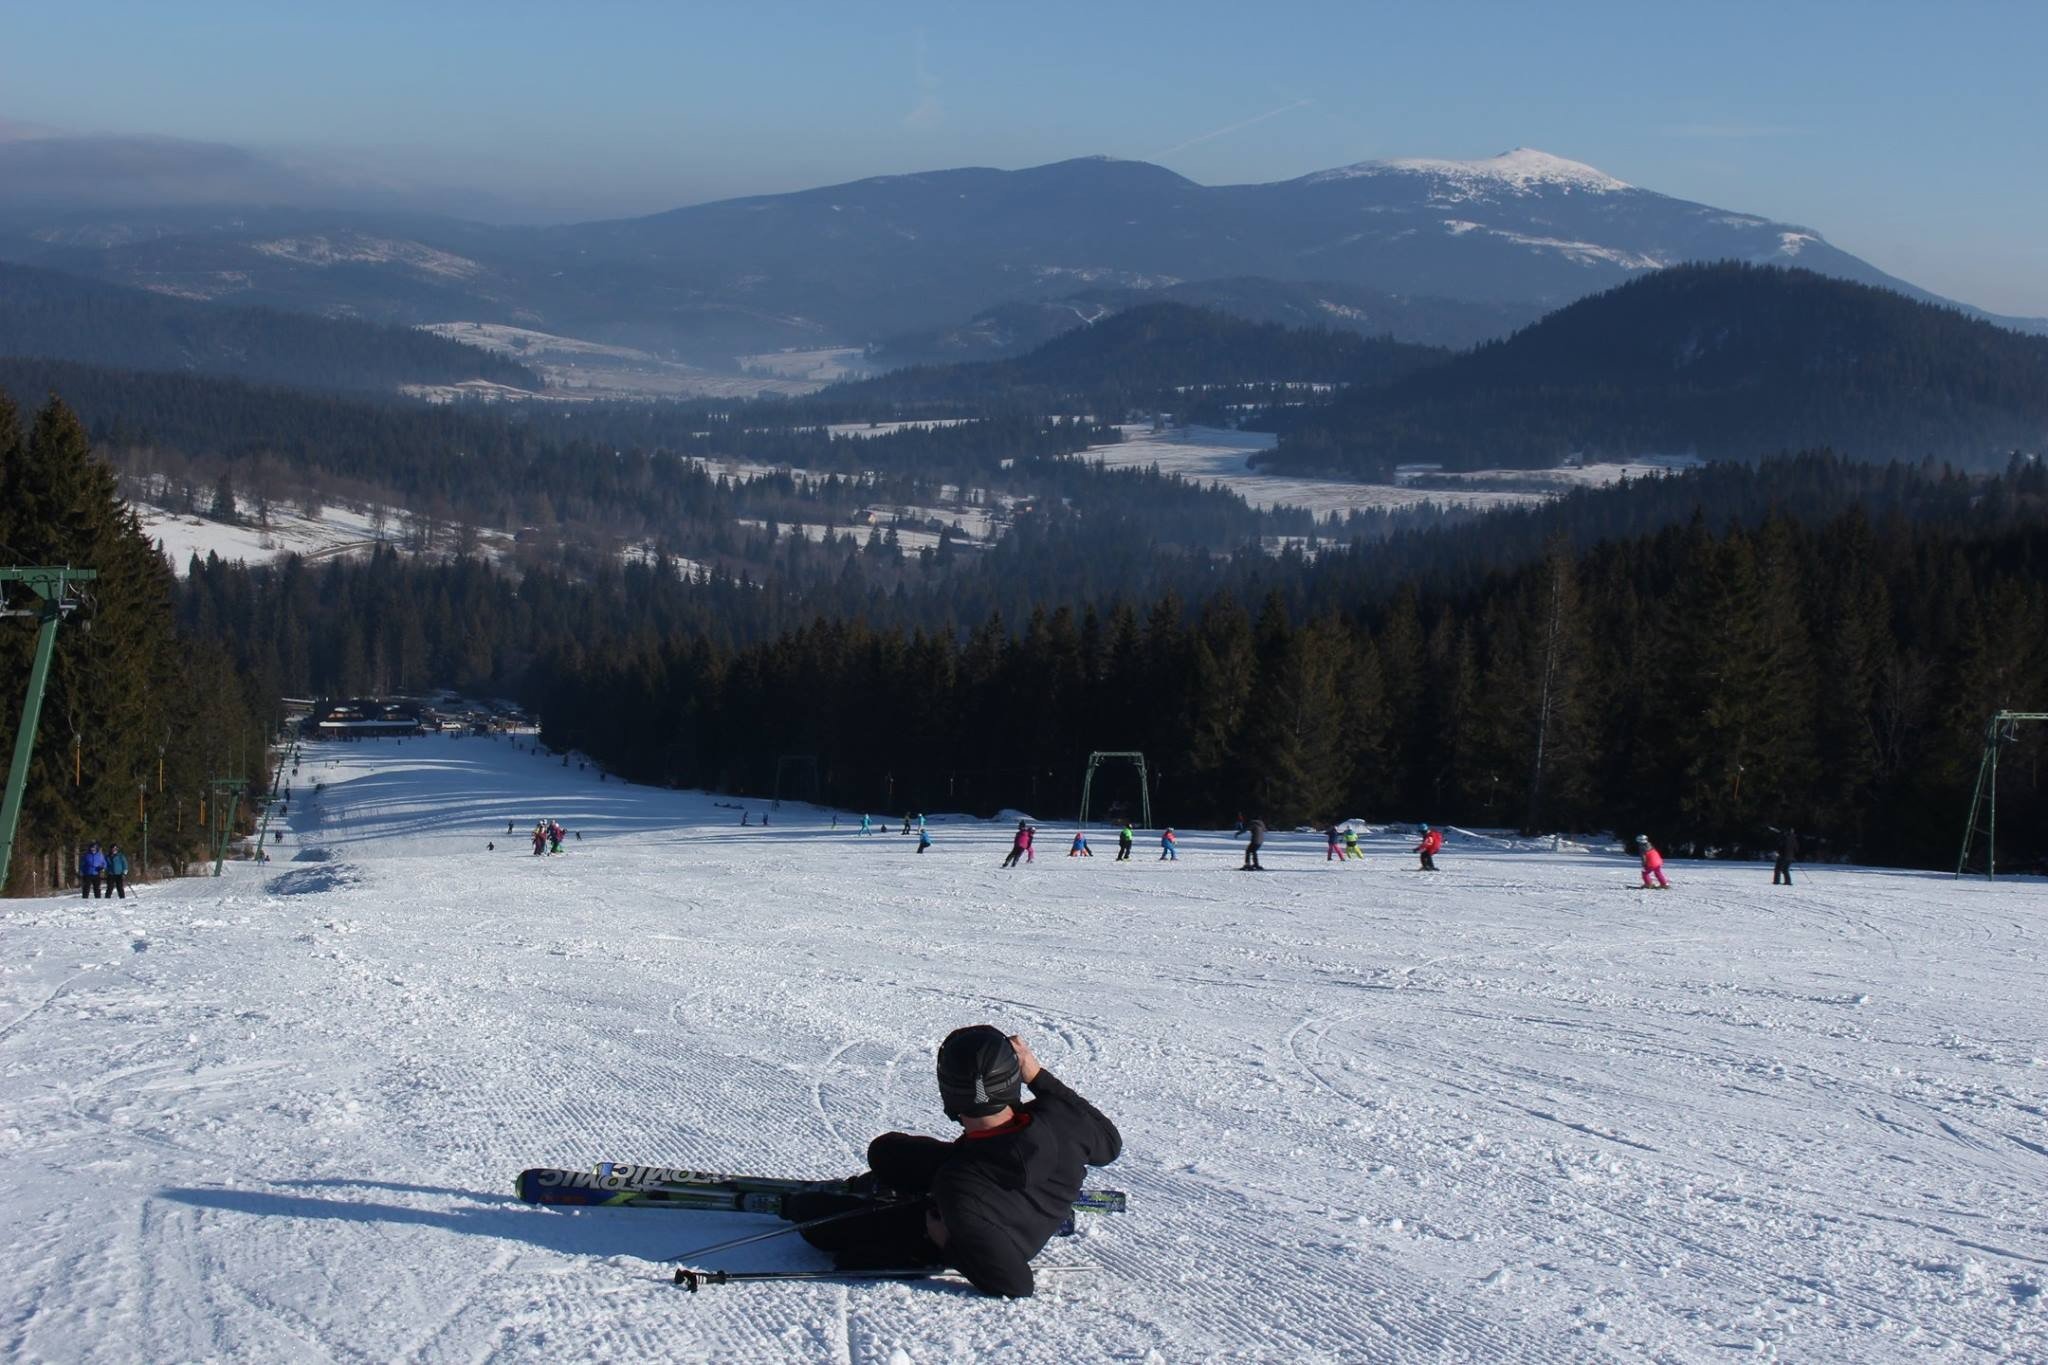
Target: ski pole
[
  {"x": 773, "y": 1233},
  {"x": 693, "y": 1280}
]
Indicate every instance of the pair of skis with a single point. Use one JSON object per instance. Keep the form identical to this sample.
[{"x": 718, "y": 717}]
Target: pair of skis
[
  {"x": 622, "y": 1185},
  {"x": 619, "y": 1185}
]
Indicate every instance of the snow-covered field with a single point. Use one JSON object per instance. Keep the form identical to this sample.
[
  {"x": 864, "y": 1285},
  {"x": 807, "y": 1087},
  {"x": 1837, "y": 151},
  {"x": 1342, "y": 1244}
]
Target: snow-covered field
[
  {"x": 338, "y": 530},
  {"x": 576, "y": 368},
  {"x": 1514, "y": 1111},
  {"x": 1215, "y": 455}
]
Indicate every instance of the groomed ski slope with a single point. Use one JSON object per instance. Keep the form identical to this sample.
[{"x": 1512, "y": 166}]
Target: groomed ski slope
[{"x": 1517, "y": 1111}]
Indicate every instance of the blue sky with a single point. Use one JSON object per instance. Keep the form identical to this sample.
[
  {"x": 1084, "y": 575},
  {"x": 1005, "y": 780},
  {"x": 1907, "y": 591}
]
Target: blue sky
[{"x": 1915, "y": 135}]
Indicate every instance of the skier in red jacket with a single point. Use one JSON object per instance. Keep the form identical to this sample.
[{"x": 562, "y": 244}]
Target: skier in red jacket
[{"x": 1432, "y": 840}]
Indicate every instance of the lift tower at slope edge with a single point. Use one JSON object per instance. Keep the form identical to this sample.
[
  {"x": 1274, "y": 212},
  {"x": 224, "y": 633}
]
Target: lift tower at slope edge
[
  {"x": 48, "y": 584},
  {"x": 2003, "y": 728}
]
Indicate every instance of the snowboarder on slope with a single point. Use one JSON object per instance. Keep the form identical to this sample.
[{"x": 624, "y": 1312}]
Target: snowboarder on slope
[
  {"x": 1257, "y": 829},
  {"x": 1653, "y": 864},
  {"x": 1787, "y": 851},
  {"x": 1080, "y": 848},
  {"x": 1123, "y": 844},
  {"x": 1432, "y": 840},
  {"x": 1167, "y": 852},
  {"x": 987, "y": 1202}
]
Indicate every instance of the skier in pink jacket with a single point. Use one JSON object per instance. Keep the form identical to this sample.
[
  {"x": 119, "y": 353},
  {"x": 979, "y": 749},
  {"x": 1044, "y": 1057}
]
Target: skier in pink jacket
[{"x": 1653, "y": 864}]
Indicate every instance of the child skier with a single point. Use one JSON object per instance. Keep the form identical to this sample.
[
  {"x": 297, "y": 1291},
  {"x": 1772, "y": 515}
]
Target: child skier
[
  {"x": 1351, "y": 848},
  {"x": 1080, "y": 848},
  {"x": 1432, "y": 840},
  {"x": 1330, "y": 850},
  {"x": 924, "y": 839},
  {"x": 1123, "y": 844},
  {"x": 1167, "y": 852},
  {"x": 1653, "y": 865},
  {"x": 864, "y": 829},
  {"x": 1018, "y": 844}
]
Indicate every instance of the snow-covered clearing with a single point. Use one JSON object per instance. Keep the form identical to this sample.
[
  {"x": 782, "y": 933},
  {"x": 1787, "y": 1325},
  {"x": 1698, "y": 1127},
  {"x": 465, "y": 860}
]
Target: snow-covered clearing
[
  {"x": 1215, "y": 455},
  {"x": 338, "y": 530},
  {"x": 578, "y": 368},
  {"x": 1514, "y": 1111}
]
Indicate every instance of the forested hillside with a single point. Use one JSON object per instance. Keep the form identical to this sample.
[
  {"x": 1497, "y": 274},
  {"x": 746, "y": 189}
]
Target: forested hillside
[
  {"x": 1726, "y": 361},
  {"x": 136, "y": 711},
  {"x": 63, "y": 317},
  {"x": 1154, "y": 355},
  {"x": 1814, "y": 641}
]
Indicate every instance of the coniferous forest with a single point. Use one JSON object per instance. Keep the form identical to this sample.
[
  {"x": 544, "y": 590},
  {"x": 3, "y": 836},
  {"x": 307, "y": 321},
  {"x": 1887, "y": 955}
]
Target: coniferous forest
[
  {"x": 139, "y": 717},
  {"x": 1700, "y": 658}
]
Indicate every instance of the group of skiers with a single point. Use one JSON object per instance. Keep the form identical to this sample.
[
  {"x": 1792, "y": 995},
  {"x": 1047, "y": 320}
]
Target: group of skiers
[
  {"x": 102, "y": 873},
  {"x": 1341, "y": 845},
  {"x": 547, "y": 837}
]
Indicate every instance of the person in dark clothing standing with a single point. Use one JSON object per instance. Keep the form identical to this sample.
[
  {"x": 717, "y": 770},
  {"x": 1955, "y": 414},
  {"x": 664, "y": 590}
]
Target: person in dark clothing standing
[
  {"x": 1252, "y": 847},
  {"x": 91, "y": 866},
  {"x": 986, "y": 1202},
  {"x": 1787, "y": 851}
]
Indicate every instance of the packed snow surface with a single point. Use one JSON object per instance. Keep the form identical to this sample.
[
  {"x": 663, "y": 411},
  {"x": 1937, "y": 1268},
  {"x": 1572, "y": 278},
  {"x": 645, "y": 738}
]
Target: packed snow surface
[{"x": 1514, "y": 1111}]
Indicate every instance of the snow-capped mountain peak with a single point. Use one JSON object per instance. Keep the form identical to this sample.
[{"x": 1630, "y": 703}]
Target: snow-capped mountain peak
[{"x": 1523, "y": 170}]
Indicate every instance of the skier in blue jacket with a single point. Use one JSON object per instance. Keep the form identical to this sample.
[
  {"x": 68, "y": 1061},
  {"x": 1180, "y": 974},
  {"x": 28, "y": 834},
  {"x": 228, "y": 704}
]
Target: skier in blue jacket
[{"x": 90, "y": 868}]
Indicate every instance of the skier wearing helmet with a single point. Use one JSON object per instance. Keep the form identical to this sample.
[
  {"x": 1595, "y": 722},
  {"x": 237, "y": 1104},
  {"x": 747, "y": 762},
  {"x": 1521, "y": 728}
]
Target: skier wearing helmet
[
  {"x": 1432, "y": 840},
  {"x": 1653, "y": 864},
  {"x": 986, "y": 1202}
]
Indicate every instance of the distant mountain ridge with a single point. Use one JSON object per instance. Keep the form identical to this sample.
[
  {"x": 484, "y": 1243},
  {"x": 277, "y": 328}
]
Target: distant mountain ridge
[
  {"x": 862, "y": 262},
  {"x": 53, "y": 316},
  {"x": 1725, "y": 361}
]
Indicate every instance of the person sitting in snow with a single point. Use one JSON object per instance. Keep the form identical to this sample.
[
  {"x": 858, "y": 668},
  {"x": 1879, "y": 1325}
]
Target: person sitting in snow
[
  {"x": 1080, "y": 848},
  {"x": 985, "y": 1203}
]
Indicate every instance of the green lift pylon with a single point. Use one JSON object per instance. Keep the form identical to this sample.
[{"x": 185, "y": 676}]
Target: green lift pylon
[
  {"x": 1144, "y": 787},
  {"x": 2003, "y": 728},
  {"x": 48, "y": 584},
  {"x": 227, "y": 804}
]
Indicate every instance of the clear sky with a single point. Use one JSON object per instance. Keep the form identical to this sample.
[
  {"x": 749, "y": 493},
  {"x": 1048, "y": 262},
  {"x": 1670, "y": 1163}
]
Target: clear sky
[{"x": 1915, "y": 135}]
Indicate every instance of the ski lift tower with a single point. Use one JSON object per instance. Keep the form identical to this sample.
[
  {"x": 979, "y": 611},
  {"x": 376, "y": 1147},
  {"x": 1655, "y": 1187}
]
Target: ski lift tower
[
  {"x": 49, "y": 584},
  {"x": 1095, "y": 761},
  {"x": 2003, "y": 728}
]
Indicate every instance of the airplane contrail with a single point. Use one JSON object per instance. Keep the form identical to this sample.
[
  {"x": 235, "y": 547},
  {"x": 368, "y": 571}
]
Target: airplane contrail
[{"x": 1229, "y": 128}]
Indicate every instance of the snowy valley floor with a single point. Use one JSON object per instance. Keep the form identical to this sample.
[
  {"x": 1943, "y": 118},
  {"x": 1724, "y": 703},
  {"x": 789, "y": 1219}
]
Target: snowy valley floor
[{"x": 1515, "y": 1111}]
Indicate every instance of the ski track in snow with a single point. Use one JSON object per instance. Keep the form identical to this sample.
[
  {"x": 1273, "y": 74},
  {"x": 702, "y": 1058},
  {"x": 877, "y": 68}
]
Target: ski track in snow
[{"x": 1517, "y": 1111}]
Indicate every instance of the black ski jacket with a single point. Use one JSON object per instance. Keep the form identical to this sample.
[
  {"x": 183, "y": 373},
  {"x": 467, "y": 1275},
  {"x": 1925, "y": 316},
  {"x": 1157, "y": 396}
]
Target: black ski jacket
[{"x": 1004, "y": 1195}]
